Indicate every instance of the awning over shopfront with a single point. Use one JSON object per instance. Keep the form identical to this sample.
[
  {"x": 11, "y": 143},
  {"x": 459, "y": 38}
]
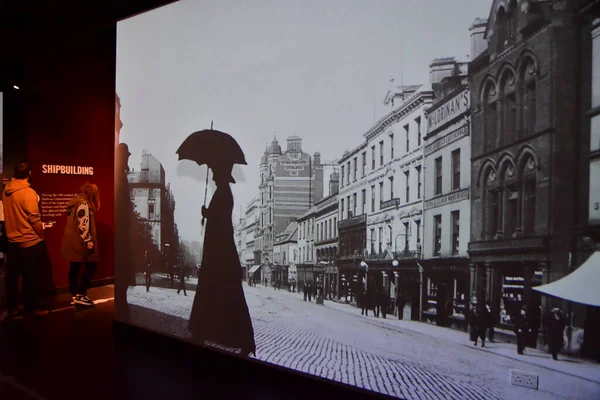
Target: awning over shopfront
[
  {"x": 254, "y": 268},
  {"x": 580, "y": 286}
]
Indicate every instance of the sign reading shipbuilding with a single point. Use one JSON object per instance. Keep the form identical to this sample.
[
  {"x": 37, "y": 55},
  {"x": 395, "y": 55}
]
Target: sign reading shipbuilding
[
  {"x": 67, "y": 170},
  {"x": 446, "y": 140},
  {"x": 447, "y": 199},
  {"x": 448, "y": 110}
]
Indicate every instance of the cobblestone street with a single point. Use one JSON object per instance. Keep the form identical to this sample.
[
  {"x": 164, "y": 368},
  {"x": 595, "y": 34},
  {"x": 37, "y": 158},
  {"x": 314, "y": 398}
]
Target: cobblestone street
[{"x": 334, "y": 342}]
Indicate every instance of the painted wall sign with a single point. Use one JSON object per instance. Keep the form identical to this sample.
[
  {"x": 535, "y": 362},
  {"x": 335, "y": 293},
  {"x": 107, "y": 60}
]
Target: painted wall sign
[
  {"x": 67, "y": 170},
  {"x": 447, "y": 199},
  {"x": 450, "y": 109},
  {"x": 446, "y": 140}
]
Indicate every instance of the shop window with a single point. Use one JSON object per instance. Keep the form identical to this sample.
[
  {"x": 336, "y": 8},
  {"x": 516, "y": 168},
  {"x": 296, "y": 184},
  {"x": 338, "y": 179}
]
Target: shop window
[
  {"x": 437, "y": 231},
  {"x": 438, "y": 176},
  {"x": 513, "y": 285},
  {"x": 455, "y": 232},
  {"x": 456, "y": 169},
  {"x": 461, "y": 290}
]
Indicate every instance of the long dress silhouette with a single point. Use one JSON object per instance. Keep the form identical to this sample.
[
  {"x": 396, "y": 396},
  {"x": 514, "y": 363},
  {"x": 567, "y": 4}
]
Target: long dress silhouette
[{"x": 220, "y": 314}]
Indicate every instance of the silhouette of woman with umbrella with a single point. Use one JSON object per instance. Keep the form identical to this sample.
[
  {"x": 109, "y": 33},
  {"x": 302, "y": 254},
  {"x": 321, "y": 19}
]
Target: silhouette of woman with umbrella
[{"x": 220, "y": 313}]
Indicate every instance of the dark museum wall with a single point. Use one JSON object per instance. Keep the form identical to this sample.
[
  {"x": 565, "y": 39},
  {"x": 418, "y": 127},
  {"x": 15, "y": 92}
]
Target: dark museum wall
[
  {"x": 69, "y": 111},
  {"x": 63, "y": 58}
]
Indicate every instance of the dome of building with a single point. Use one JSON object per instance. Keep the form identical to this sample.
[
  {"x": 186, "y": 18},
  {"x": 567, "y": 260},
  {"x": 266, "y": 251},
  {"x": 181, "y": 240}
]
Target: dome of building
[{"x": 275, "y": 148}]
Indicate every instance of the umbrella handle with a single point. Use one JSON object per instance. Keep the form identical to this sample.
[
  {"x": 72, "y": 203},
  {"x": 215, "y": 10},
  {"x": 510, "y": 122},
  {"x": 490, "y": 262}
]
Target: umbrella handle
[{"x": 205, "y": 191}]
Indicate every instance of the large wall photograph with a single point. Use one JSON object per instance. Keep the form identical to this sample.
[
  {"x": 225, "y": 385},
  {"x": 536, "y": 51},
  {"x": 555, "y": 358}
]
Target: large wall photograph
[{"x": 293, "y": 184}]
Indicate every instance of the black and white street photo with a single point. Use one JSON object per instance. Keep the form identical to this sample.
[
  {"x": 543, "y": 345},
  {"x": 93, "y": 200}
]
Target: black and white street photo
[{"x": 401, "y": 195}]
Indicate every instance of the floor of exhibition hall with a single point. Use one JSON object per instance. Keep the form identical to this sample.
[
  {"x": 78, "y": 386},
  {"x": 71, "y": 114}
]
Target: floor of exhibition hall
[{"x": 71, "y": 354}]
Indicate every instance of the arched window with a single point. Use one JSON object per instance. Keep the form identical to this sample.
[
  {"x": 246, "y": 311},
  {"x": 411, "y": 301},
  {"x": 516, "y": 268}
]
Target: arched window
[
  {"x": 511, "y": 189},
  {"x": 492, "y": 209},
  {"x": 509, "y": 108},
  {"x": 490, "y": 115},
  {"x": 511, "y": 20},
  {"x": 500, "y": 28},
  {"x": 528, "y": 96},
  {"x": 529, "y": 179}
]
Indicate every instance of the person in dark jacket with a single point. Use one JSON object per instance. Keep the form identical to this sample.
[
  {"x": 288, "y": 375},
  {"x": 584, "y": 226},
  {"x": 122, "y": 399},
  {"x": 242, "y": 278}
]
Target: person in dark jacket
[
  {"x": 483, "y": 323},
  {"x": 400, "y": 303},
  {"x": 365, "y": 302},
  {"x": 556, "y": 324},
  {"x": 182, "y": 280},
  {"x": 522, "y": 329},
  {"x": 474, "y": 323},
  {"x": 80, "y": 241},
  {"x": 383, "y": 302}
]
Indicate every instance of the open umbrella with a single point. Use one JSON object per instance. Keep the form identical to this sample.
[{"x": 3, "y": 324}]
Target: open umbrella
[{"x": 213, "y": 148}]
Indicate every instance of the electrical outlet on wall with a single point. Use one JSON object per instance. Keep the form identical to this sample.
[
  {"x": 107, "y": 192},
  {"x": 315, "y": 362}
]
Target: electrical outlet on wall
[{"x": 525, "y": 379}]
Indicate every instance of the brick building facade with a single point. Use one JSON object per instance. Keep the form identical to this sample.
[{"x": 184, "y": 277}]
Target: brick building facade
[{"x": 523, "y": 196}]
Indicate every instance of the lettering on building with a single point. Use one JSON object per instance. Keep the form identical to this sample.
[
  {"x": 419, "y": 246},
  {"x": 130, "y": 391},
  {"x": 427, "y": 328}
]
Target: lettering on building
[
  {"x": 450, "y": 109},
  {"x": 446, "y": 140},
  {"x": 67, "y": 170},
  {"x": 447, "y": 199}
]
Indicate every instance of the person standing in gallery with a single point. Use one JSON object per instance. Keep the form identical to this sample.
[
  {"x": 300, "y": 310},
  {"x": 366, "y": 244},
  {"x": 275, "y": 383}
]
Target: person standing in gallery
[
  {"x": 26, "y": 248},
  {"x": 220, "y": 314},
  {"x": 80, "y": 242}
]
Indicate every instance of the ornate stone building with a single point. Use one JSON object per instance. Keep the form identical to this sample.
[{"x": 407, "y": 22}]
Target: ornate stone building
[
  {"x": 326, "y": 243},
  {"x": 290, "y": 183},
  {"x": 154, "y": 201},
  {"x": 523, "y": 190}
]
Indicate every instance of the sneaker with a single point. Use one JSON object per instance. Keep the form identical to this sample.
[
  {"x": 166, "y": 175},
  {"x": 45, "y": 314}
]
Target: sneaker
[
  {"x": 83, "y": 300},
  {"x": 74, "y": 299}
]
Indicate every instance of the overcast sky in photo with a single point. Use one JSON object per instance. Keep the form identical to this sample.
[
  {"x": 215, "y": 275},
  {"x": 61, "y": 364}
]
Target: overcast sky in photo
[{"x": 318, "y": 69}]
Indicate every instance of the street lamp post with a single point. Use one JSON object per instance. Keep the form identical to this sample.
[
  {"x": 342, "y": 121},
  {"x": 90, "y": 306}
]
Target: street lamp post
[{"x": 366, "y": 267}]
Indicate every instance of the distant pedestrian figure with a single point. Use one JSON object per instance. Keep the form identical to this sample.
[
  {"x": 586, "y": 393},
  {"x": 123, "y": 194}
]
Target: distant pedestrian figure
[
  {"x": 364, "y": 303},
  {"x": 556, "y": 324},
  {"x": 310, "y": 291},
  {"x": 474, "y": 323},
  {"x": 182, "y": 281},
  {"x": 522, "y": 329},
  {"x": 400, "y": 303},
  {"x": 491, "y": 322},
  {"x": 483, "y": 322},
  {"x": 383, "y": 302},
  {"x": 148, "y": 280}
]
